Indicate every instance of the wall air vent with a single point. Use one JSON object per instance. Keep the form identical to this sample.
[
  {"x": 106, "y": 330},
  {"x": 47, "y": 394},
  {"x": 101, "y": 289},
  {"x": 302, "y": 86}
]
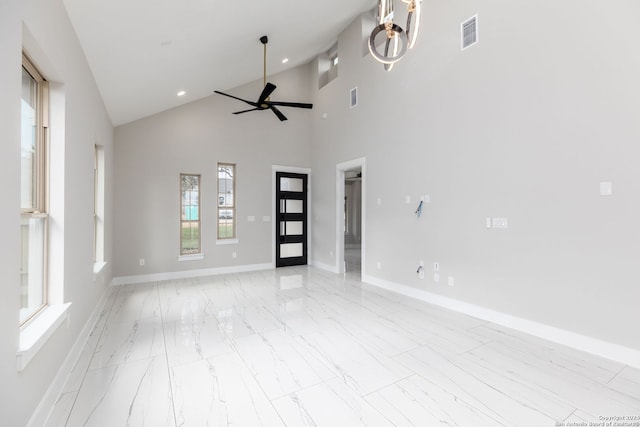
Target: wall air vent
[
  {"x": 469, "y": 32},
  {"x": 353, "y": 97}
]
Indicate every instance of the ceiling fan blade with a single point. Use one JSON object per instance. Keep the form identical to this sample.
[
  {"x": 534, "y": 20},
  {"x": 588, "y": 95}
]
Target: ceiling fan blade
[
  {"x": 290, "y": 104},
  {"x": 278, "y": 113},
  {"x": 253, "y": 104},
  {"x": 268, "y": 90},
  {"x": 246, "y": 111}
]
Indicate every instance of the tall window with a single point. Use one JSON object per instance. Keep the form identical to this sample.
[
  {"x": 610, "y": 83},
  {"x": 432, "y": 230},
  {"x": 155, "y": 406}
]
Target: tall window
[
  {"x": 226, "y": 201},
  {"x": 98, "y": 204},
  {"x": 189, "y": 214},
  {"x": 33, "y": 186}
]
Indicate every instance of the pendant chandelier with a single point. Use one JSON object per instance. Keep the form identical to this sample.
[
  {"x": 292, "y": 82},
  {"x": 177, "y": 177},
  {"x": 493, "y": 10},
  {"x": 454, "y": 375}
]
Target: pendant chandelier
[{"x": 396, "y": 40}]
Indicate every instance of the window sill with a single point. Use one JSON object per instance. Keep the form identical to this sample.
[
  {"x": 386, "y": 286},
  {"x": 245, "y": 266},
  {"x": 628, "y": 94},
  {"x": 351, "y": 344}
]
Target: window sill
[
  {"x": 192, "y": 257},
  {"x": 227, "y": 242},
  {"x": 98, "y": 266},
  {"x": 35, "y": 334}
]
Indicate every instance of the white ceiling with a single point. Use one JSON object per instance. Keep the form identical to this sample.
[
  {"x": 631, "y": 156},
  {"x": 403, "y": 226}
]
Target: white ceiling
[{"x": 143, "y": 52}]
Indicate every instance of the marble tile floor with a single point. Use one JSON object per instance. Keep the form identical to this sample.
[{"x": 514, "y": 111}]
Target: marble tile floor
[{"x": 303, "y": 347}]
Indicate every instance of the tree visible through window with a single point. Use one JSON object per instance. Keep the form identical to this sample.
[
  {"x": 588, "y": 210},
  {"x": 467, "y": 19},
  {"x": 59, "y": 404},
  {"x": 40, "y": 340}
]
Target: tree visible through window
[
  {"x": 226, "y": 201},
  {"x": 189, "y": 214},
  {"x": 33, "y": 183}
]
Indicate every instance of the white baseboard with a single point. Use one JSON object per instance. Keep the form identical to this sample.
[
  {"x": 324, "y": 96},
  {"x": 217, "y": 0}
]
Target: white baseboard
[
  {"x": 48, "y": 401},
  {"x": 616, "y": 352},
  {"x": 323, "y": 266},
  {"x": 185, "y": 274}
]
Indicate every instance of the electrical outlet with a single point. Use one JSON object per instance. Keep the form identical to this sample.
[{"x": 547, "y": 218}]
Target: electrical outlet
[
  {"x": 141, "y": 262},
  {"x": 234, "y": 255},
  {"x": 379, "y": 265},
  {"x": 450, "y": 281},
  {"x": 436, "y": 277}
]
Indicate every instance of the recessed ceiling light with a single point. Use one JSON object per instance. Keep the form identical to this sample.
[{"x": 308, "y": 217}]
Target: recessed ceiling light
[
  {"x": 181, "y": 93},
  {"x": 285, "y": 60}
]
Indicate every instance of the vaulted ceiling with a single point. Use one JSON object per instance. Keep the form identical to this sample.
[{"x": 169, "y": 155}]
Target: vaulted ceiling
[{"x": 143, "y": 52}]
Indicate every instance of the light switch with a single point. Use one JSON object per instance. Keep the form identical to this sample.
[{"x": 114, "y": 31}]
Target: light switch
[
  {"x": 606, "y": 188},
  {"x": 251, "y": 218},
  {"x": 500, "y": 223}
]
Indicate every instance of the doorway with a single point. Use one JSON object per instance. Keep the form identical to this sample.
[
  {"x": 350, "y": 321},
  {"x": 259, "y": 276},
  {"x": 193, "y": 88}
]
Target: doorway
[
  {"x": 353, "y": 221},
  {"x": 291, "y": 219},
  {"x": 350, "y": 218}
]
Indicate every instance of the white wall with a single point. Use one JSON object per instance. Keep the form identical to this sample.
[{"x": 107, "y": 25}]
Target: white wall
[
  {"x": 524, "y": 125},
  {"x": 42, "y": 28},
  {"x": 152, "y": 152}
]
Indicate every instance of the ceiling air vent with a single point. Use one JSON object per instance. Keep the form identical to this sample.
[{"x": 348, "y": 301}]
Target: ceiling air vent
[
  {"x": 353, "y": 97},
  {"x": 469, "y": 29}
]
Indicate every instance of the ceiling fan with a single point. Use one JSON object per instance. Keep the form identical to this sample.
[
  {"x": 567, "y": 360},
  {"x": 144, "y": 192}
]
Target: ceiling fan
[{"x": 264, "y": 102}]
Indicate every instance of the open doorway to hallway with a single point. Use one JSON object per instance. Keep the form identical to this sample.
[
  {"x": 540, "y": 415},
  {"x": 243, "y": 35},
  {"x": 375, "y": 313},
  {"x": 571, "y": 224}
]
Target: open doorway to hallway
[
  {"x": 351, "y": 216},
  {"x": 353, "y": 222}
]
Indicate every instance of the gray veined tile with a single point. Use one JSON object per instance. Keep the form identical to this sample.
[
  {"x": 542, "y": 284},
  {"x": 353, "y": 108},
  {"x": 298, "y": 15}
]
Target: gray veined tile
[
  {"x": 136, "y": 302},
  {"x": 244, "y": 321},
  {"x": 378, "y": 333},
  {"x": 588, "y": 365},
  {"x": 281, "y": 362},
  {"x": 378, "y": 303},
  {"x": 450, "y": 375},
  {"x": 627, "y": 382},
  {"x": 361, "y": 368},
  {"x": 220, "y": 391},
  {"x": 123, "y": 342},
  {"x": 416, "y": 401},
  {"x": 103, "y": 317},
  {"x": 330, "y": 404},
  {"x": 191, "y": 341},
  {"x": 61, "y": 409},
  {"x": 133, "y": 394},
  {"x": 233, "y": 294},
  {"x": 79, "y": 370},
  {"x": 327, "y": 350},
  {"x": 183, "y": 302},
  {"x": 550, "y": 380},
  {"x": 433, "y": 329}
]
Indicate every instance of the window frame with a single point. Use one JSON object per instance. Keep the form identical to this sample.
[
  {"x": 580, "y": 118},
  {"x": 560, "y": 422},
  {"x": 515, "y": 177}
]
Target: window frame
[
  {"x": 98, "y": 206},
  {"x": 39, "y": 210},
  {"x": 226, "y": 207},
  {"x": 183, "y": 221}
]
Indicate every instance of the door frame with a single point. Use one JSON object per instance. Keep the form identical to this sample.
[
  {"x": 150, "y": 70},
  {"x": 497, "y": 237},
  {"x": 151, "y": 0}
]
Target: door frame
[
  {"x": 341, "y": 168},
  {"x": 288, "y": 169}
]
